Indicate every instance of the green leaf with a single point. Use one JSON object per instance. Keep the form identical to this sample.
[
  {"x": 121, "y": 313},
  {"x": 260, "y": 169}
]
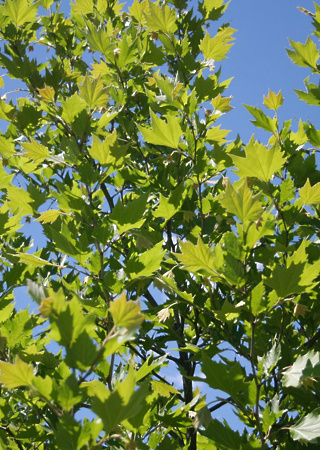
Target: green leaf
[
  {"x": 67, "y": 318},
  {"x": 217, "y": 47},
  {"x": 126, "y": 52},
  {"x": 215, "y": 135},
  {"x": 20, "y": 201},
  {"x": 307, "y": 428},
  {"x": 162, "y": 133},
  {"x": 242, "y": 203},
  {"x": 33, "y": 260},
  {"x": 126, "y": 314},
  {"x": 169, "y": 206},
  {"x": 67, "y": 433},
  {"x": 262, "y": 121},
  {"x": 72, "y": 106},
  {"x": 19, "y": 11},
  {"x": 138, "y": 9},
  {"x": 221, "y": 104},
  {"x": 310, "y": 195},
  {"x": 222, "y": 435},
  {"x": 259, "y": 229},
  {"x": 313, "y": 135},
  {"x": 98, "y": 39},
  {"x": 259, "y": 162},
  {"x": 83, "y": 6},
  {"x": 304, "y": 55},
  {"x": 68, "y": 393},
  {"x": 63, "y": 243},
  {"x": 49, "y": 216},
  {"x": 271, "y": 358},
  {"x": 94, "y": 93},
  {"x": 82, "y": 353},
  {"x": 302, "y": 368},
  {"x": 7, "y": 147},
  {"x": 131, "y": 215},
  {"x": 108, "y": 152},
  {"x": 296, "y": 276},
  {"x": 300, "y": 136},
  {"x": 273, "y": 101},
  {"x": 151, "y": 364},
  {"x": 163, "y": 389},
  {"x": 312, "y": 96},
  {"x": 122, "y": 403},
  {"x": 196, "y": 258},
  {"x": 257, "y": 299},
  {"x": 7, "y": 111},
  {"x": 228, "y": 377},
  {"x": 160, "y": 18},
  {"x": 212, "y": 9},
  {"x": 147, "y": 263},
  {"x": 287, "y": 190},
  {"x": 17, "y": 374},
  {"x": 35, "y": 151}
]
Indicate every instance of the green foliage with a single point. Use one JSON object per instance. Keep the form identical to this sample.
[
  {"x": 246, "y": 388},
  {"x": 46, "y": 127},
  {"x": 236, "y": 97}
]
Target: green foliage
[{"x": 158, "y": 247}]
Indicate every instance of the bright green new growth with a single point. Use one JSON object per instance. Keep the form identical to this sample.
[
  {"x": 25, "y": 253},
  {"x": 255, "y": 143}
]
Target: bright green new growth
[{"x": 174, "y": 272}]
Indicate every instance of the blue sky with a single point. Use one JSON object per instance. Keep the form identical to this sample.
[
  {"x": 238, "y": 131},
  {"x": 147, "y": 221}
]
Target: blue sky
[{"x": 258, "y": 61}]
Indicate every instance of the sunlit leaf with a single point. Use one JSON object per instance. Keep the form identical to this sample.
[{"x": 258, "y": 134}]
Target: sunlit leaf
[
  {"x": 126, "y": 313},
  {"x": 218, "y": 46},
  {"x": 131, "y": 215},
  {"x": 33, "y": 260},
  {"x": 273, "y": 101},
  {"x": 310, "y": 194},
  {"x": 261, "y": 120},
  {"x": 160, "y": 18},
  {"x": 260, "y": 162},
  {"x": 242, "y": 203},
  {"x": 307, "y": 428},
  {"x": 304, "y": 366},
  {"x": 304, "y": 55},
  {"x": 162, "y": 133},
  {"x": 196, "y": 257},
  {"x": 36, "y": 151},
  {"x": 19, "y": 11},
  {"x": 94, "y": 93},
  {"x": 17, "y": 374}
]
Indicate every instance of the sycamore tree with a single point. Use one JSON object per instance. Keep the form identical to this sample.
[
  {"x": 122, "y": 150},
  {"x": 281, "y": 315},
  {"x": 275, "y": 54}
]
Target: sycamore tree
[{"x": 149, "y": 247}]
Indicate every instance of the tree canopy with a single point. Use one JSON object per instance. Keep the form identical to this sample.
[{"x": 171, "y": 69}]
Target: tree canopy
[{"x": 175, "y": 272}]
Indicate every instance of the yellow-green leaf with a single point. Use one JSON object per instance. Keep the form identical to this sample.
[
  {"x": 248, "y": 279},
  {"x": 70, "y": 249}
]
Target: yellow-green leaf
[
  {"x": 17, "y": 374},
  {"x": 164, "y": 389},
  {"x": 47, "y": 94},
  {"x": 108, "y": 152},
  {"x": 162, "y": 133},
  {"x": 260, "y": 162},
  {"x": 242, "y": 203},
  {"x": 126, "y": 313},
  {"x": 20, "y": 11},
  {"x": 222, "y": 104},
  {"x": 94, "y": 93},
  {"x": 160, "y": 18},
  {"x": 262, "y": 120},
  {"x": 35, "y": 151},
  {"x": 147, "y": 263},
  {"x": 217, "y": 47},
  {"x": 196, "y": 257},
  {"x": 49, "y": 216},
  {"x": 304, "y": 55},
  {"x": 33, "y": 260},
  {"x": 273, "y": 101},
  {"x": 310, "y": 195}
]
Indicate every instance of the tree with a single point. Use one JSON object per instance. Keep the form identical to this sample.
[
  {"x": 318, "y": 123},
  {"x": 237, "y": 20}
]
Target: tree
[{"x": 164, "y": 244}]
